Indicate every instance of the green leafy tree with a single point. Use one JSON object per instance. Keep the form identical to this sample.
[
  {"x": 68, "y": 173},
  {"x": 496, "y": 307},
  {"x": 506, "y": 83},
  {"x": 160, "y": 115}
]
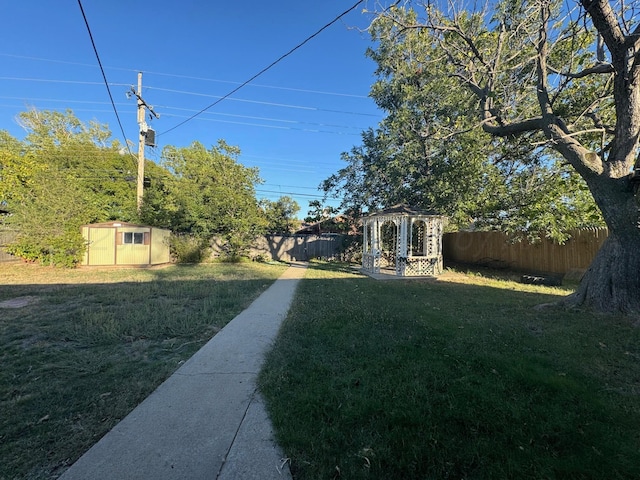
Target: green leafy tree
[
  {"x": 319, "y": 212},
  {"x": 48, "y": 219},
  {"x": 430, "y": 153},
  {"x": 563, "y": 78},
  {"x": 17, "y": 169},
  {"x": 84, "y": 154},
  {"x": 207, "y": 194},
  {"x": 62, "y": 175},
  {"x": 281, "y": 215}
]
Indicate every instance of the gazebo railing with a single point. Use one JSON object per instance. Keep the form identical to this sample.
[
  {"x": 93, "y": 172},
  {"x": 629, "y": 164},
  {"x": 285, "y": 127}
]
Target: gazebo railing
[
  {"x": 371, "y": 262},
  {"x": 418, "y": 266}
]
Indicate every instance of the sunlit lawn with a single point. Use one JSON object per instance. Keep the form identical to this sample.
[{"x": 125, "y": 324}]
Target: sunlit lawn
[
  {"x": 460, "y": 378},
  {"x": 90, "y": 344}
]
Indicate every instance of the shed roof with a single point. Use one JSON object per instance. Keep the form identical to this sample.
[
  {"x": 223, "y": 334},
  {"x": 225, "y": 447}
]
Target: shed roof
[{"x": 116, "y": 223}]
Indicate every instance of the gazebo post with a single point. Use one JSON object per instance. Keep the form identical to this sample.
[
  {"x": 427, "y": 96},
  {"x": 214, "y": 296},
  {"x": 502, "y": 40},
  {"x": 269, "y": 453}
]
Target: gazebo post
[
  {"x": 376, "y": 247},
  {"x": 401, "y": 257}
]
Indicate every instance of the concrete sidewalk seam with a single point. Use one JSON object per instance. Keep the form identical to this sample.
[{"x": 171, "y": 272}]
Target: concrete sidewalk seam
[{"x": 235, "y": 436}]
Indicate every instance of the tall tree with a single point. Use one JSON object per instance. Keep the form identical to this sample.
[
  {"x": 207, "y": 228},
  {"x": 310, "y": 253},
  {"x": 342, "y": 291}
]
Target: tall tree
[
  {"x": 62, "y": 175},
  {"x": 538, "y": 72},
  {"x": 280, "y": 215},
  {"x": 430, "y": 153},
  {"x": 48, "y": 218},
  {"x": 208, "y": 193},
  {"x": 319, "y": 212}
]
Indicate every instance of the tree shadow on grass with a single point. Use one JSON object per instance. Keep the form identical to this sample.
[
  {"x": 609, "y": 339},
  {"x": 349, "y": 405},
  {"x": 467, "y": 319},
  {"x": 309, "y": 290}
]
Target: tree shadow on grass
[
  {"x": 412, "y": 379},
  {"x": 80, "y": 355}
]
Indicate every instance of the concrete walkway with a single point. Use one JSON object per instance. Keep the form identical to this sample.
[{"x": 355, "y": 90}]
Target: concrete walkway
[{"x": 206, "y": 421}]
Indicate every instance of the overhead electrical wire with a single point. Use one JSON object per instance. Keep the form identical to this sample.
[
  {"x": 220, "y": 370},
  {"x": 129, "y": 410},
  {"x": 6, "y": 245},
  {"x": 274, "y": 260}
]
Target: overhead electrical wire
[
  {"x": 275, "y": 87},
  {"x": 198, "y": 94},
  {"x": 278, "y": 127},
  {"x": 356, "y": 130},
  {"x": 104, "y": 76},
  {"x": 248, "y": 160},
  {"x": 272, "y": 104},
  {"x": 75, "y": 82},
  {"x": 243, "y": 84},
  {"x": 288, "y": 186},
  {"x": 175, "y": 75},
  {"x": 266, "y": 119},
  {"x": 295, "y": 194}
]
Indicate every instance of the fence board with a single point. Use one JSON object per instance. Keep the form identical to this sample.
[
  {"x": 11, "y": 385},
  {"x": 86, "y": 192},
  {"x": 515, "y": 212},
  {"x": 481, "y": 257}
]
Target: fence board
[
  {"x": 499, "y": 250},
  {"x": 291, "y": 248},
  {"x": 6, "y": 237}
]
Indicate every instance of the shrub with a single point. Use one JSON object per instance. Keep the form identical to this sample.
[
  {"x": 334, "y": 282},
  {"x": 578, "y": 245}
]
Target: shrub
[
  {"x": 63, "y": 250},
  {"x": 188, "y": 249}
]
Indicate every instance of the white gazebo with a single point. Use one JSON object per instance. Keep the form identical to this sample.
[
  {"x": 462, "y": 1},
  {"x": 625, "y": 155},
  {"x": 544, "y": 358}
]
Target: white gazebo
[{"x": 404, "y": 241}]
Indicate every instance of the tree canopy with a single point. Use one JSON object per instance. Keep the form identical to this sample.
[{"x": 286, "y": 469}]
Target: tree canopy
[
  {"x": 557, "y": 85},
  {"x": 431, "y": 152},
  {"x": 65, "y": 174},
  {"x": 281, "y": 215},
  {"x": 62, "y": 175},
  {"x": 207, "y": 193}
]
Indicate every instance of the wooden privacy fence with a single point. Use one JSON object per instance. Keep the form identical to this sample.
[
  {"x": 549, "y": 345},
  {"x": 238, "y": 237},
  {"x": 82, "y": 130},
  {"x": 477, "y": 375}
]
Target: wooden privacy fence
[
  {"x": 499, "y": 250},
  {"x": 6, "y": 237},
  {"x": 289, "y": 248}
]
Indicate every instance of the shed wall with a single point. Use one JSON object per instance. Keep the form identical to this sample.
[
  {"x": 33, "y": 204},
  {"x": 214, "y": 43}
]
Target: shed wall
[
  {"x": 101, "y": 246},
  {"x": 133, "y": 254},
  {"x": 160, "y": 246},
  {"x": 105, "y": 246}
]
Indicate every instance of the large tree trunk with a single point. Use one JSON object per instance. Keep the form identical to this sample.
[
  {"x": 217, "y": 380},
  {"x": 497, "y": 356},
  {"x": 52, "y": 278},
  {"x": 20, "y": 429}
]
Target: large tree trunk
[{"x": 612, "y": 282}]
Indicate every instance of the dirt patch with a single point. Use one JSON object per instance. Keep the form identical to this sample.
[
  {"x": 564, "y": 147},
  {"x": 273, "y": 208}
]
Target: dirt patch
[{"x": 18, "y": 302}]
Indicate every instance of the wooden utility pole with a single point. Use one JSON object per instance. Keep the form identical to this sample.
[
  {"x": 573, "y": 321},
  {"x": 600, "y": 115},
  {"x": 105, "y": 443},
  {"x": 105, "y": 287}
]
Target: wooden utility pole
[{"x": 143, "y": 138}]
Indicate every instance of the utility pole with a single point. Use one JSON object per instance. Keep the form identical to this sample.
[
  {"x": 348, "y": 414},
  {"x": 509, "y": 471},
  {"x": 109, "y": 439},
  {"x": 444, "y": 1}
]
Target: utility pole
[{"x": 146, "y": 136}]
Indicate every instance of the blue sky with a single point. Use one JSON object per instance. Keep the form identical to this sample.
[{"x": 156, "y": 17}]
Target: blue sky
[{"x": 292, "y": 122}]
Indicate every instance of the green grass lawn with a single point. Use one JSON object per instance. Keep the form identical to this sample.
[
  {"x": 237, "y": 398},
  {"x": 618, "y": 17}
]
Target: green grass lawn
[
  {"x": 456, "y": 379},
  {"x": 92, "y": 343}
]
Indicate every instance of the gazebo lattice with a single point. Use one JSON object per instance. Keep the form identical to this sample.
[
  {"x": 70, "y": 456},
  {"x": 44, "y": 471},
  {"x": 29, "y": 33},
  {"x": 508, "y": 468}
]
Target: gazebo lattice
[{"x": 404, "y": 239}]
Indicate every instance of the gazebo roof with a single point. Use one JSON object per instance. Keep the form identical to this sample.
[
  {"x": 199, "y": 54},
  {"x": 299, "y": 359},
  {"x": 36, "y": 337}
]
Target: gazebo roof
[{"x": 404, "y": 209}]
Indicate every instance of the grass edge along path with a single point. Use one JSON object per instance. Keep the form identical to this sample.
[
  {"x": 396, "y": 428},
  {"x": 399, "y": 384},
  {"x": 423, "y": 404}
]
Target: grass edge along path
[
  {"x": 460, "y": 378},
  {"x": 93, "y": 343}
]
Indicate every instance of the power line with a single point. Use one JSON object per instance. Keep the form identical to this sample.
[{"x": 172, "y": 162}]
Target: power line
[
  {"x": 199, "y": 94},
  {"x": 295, "y": 194},
  {"x": 258, "y": 85},
  {"x": 272, "y": 104},
  {"x": 278, "y": 127},
  {"x": 266, "y": 119},
  {"x": 290, "y": 186},
  {"x": 75, "y": 82},
  {"x": 168, "y": 107},
  {"x": 106, "y": 83},
  {"x": 230, "y": 122},
  {"x": 266, "y": 68},
  {"x": 175, "y": 75}
]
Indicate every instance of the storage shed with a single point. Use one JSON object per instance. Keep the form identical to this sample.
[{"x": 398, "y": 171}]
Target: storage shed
[{"x": 120, "y": 243}]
